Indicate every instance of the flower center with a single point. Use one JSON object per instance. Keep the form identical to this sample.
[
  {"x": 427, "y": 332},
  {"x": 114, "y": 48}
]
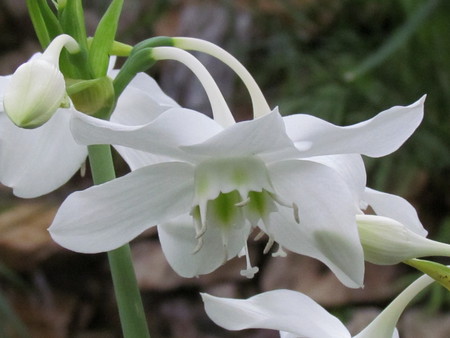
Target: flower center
[{"x": 234, "y": 193}]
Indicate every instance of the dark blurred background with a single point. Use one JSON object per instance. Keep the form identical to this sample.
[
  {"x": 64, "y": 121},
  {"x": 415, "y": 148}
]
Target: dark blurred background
[{"x": 341, "y": 60}]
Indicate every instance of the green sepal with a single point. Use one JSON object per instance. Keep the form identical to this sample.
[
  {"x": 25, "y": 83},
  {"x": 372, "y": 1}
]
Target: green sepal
[
  {"x": 439, "y": 272},
  {"x": 103, "y": 39},
  {"x": 92, "y": 97}
]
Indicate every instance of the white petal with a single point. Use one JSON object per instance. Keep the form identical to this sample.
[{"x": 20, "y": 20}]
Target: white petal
[
  {"x": 264, "y": 136},
  {"x": 178, "y": 242},
  {"x": 327, "y": 230},
  {"x": 137, "y": 159},
  {"x": 282, "y": 310},
  {"x": 395, "y": 207},
  {"x": 379, "y": 136},
  {"x": 141, "y": 102},
  {"x": 107, "y": 216},
  {"x": 162, "y": 136},
  {"x": 38, "y": 161},
  {"x": 351, "y": 169}
]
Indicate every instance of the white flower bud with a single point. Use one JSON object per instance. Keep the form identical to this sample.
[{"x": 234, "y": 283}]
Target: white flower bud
[
  {"x": 386, "y": 241},
  {"x": 37, "y": 88}
]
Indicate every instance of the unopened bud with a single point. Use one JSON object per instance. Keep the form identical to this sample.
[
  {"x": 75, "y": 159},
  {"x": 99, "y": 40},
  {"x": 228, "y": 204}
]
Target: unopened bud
[
  {"x": 37, "y": 88},
  {"x": 386, "y": 241},
  {"x": 93, "y": 97}
]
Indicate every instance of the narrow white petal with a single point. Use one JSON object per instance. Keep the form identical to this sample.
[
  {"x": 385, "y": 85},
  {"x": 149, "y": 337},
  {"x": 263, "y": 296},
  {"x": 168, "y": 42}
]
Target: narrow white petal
[
  {"x": 141, "y": 101},
  {"x": 178, "y": 242},
  {"x": 37, "y": 161},
  {"x": 379, "y": 136},
  {"x": 394, "y": 207},
  {"x": 137, "y": 159},
  {"x": 162, "y": 136},
  {"x": 107, "y": 216},
  {"x": 327, "y": 229},
  {"x": 264, "y": 136},
  {"x": 351, "y": 169},
  {"x": 282, "y": 310}
]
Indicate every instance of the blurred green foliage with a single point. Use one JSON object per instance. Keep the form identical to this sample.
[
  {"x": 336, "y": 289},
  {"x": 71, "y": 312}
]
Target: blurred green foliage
[{"x": 345, "y": 61}]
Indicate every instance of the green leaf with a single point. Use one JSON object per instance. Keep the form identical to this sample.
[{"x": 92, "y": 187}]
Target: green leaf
[
  {"x": 104, "y": 38},
  {"x": 440, "y": 273},
  {"x": 72, "y": 22},
  {"x": 51, "y": 21},
  {"x": 38, "y": 21}
]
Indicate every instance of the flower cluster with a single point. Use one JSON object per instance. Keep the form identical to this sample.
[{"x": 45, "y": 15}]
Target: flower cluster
[{"x": 208, "y": 184}]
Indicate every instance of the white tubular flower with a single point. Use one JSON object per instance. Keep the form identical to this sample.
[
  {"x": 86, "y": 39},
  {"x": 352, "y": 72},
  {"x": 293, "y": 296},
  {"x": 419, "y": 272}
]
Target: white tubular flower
[
  {"x": 296, "y": 315},
  {"x": 37, "y": 88},
  {"x": 224, "y": 178},
  {"x": 386, "y": 241}
]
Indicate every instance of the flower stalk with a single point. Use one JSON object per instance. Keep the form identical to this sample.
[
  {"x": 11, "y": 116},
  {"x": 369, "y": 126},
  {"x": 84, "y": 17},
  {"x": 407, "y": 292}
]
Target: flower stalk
[
  {"x": 129, "y": 302},
  {"x": 259, "y": 103}
]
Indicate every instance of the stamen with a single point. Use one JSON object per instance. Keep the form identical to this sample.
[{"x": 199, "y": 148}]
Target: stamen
[
  {"x": 198, "y": 246},
  {"x": 250, "y": 271},
  {"x": 280, "y": 201},
  {"x": 243, "y": 203},
  {"x": 83, "y": 169},
  {"x": 284, "y": 203},
  {"x": 201, "y": 231},
  {"x": 259, "y": 235},
  {"x": 198, "y": 230},
  {"x": 280, "y": 252},
  {"x": 296, "y": 215},
  {"x": 269, "y": 245}
]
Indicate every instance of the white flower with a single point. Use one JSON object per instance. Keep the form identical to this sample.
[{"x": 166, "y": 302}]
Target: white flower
[
  {"x": 37, "y": 161},
  {"x": 225, "y": 178},
  {"x": 296, "y": 315},
  {"x": 37, "y": 88}
]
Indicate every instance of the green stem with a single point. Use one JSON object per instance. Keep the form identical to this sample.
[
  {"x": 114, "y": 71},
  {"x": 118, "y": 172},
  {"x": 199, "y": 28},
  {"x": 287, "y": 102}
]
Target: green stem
[{"x": 129, "y": 302}]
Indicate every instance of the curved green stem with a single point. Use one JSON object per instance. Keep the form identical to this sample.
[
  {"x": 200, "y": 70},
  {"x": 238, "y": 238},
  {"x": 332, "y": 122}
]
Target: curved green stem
[{"x": 129, "y": 302}]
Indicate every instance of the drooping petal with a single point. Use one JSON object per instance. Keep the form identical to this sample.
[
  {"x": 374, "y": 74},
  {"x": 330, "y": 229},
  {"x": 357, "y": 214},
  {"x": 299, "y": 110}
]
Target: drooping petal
[
  {"x": 141, "y": 101},
  {"x": 107, "y": 216},
  {"x": 162, "y": 136},
  {"x": 379, "y": 136},
  {"x": 327, "y": 228},
  {"x": 351, "y": 169},
  {"x": 282, "y": 310},
  {"x": 264, "y": 136},
  {"x": 178, "y": 242},
  {"x": 38, "y": 161},
  {"x": 395, "y": 207},
  {"x": 137, "y": 159}
]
